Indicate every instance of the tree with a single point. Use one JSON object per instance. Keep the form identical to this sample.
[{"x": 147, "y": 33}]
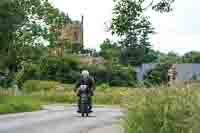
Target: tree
[
  {"x": 24, "y": 27},
  {"x": 162, "y": 5},
  {"x": 170, "y": 58},
  {"x": 191, "y": 57},
  {"x": 134, "y": 28},
  {"x": 55, "y": 20},
  {"x": 27, "y": 23},
  {"x": 12, "y": 16},
  {"x": 110, "y": 51}
]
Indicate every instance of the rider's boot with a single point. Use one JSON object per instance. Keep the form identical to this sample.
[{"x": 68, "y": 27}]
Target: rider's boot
[{"x": 90, "y": 105}]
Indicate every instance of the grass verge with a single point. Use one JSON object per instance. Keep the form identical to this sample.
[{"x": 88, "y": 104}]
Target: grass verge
[{"x": 12, "y": 104}]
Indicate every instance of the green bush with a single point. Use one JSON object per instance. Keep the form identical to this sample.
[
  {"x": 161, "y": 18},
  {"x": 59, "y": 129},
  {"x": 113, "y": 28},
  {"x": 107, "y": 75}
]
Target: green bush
[
  {"x": 30, "y": 71},
  {"x": 115, "y": 75},
  {"x": 157, "y": 76},
  {"x": 122, "y": 76},
  {"x": 99, "y": 72},
  {"x": 65, "y": 69},
  {"x": 163, "y": 111},
  {"x": 73, "y": 61}
]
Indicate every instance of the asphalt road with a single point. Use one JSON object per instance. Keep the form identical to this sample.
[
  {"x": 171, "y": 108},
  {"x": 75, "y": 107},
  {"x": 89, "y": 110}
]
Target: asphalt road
[{"x": 60, "y": 119}]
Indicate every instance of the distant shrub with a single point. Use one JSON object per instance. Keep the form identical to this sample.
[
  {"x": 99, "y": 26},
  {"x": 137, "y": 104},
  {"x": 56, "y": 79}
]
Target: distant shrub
[
  {"x": 65, "y": 69},
  {"x": 114, "y": 75},
  {"x": 157, "y": 76},
  {"x": 122, "y": 76}
]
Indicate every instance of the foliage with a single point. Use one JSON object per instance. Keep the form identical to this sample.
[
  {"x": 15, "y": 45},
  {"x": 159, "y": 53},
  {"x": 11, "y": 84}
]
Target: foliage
[
  {"x": 110, "y": 51},
  {"x": 158, "y": 75},
  {"x": 28, "y": 72},
  {"x": 25, "y": 26},
  {"x": 191, "y": 57},
  {"x": 170, "y": 58},
  {"x": 67, "y": 70},
  {"x": 76, "y": 48},
  {"x": 130, "y": 23},
  {"x": 122, "y": 76},
  {"x": 64, "y": 69},
  {"x": 166, "y": 110},
  {"x": 162, "y": 5},
  {"x": 99, "y": 72},
  {"x": 114, "y": 75}
]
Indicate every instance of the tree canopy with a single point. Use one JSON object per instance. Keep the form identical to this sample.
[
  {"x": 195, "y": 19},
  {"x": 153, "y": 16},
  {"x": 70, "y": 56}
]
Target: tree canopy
[
  {"x": 27, "y": 24},
  {"x": 130, "y": 23}
]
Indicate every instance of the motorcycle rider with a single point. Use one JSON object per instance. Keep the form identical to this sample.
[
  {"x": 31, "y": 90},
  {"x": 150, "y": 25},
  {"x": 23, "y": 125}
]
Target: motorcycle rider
[{"x": 87, "y": 80}]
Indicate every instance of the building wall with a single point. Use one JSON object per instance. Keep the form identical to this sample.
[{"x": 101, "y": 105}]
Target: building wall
[
  {"x": 73, "y": 32},
  {"x": 187, "y": 71},
  {"x": 184, "y": 72}
]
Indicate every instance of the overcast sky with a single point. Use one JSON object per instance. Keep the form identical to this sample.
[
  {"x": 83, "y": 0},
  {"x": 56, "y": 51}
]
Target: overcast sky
[{"x": 178, "y": 31}]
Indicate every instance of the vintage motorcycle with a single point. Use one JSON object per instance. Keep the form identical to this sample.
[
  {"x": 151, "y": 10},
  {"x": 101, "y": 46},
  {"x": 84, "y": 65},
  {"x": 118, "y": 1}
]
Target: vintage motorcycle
[{"x": 84, "y": 101}]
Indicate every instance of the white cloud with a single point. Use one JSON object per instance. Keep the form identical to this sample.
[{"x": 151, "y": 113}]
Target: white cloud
[
  {"x": 180, "y": 43},
  {"x": 179, "y": 30}
]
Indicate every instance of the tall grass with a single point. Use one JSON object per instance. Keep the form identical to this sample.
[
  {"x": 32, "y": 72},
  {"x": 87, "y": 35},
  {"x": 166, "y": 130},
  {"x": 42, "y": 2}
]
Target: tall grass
[
  {"x": 104, "y": 94},
  {"x": 106, "y": 98},
  {"x": 163, "y": 111}
]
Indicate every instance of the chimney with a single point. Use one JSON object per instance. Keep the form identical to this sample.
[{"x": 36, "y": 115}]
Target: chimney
[
  {"x": 82, "y": 30},
  {"x": 82, "y": 19}
]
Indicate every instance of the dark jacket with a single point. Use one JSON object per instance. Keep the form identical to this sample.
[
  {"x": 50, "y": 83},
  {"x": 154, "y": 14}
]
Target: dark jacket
[{"x": 89, "y": 82}]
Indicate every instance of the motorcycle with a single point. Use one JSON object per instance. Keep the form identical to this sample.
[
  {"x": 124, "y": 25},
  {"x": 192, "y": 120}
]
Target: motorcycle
[{"x": 84, "y": 101}]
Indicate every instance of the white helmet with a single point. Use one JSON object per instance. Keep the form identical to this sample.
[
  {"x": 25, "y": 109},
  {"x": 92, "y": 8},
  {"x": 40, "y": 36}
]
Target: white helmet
[{"x": 85, "y": 74}]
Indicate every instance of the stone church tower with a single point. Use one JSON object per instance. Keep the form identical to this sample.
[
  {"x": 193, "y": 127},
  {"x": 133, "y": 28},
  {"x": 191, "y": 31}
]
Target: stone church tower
[{"x": 74, "y": 32}]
